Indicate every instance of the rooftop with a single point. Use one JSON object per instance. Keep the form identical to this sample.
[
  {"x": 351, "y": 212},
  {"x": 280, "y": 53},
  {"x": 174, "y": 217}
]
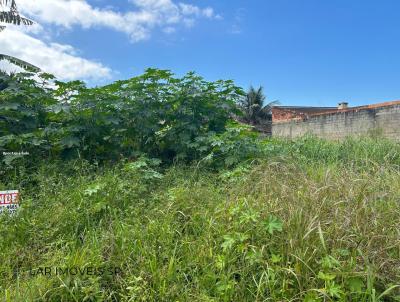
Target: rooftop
[{"x": 284, "y": 113}]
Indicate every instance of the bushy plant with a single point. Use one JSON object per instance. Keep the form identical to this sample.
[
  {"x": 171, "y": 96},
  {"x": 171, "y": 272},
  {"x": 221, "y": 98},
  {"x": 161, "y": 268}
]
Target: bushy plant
[
  {"x": 237, "y": 144},
  {"x": 25, "y": 115},
  {"x": 155, "y": 114}
]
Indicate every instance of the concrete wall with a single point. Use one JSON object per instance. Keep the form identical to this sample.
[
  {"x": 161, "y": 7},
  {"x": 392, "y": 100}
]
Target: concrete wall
[
  {"x": 264, "y": 128},
  {"x": 338, "y": 125}
]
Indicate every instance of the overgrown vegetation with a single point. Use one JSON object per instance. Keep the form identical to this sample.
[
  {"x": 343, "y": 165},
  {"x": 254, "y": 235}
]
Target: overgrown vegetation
[
  {"x": 155, "y": 113},
  {"x": 151, "y": 176}
]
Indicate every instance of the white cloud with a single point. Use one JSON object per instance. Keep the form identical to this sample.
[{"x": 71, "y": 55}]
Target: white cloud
[
  {"x": 188, "y": 9},
  {"x": 137, "y": 23},
  {"x": 63, "y": 60},
  {"x": 169, "y": 30},
  {"x": 238, "y": 20},
  {"x": 58, "y": 59}
]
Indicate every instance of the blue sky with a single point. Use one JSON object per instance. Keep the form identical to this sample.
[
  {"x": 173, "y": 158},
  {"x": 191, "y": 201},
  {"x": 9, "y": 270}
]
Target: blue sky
[{"x": 304, "y": 52}]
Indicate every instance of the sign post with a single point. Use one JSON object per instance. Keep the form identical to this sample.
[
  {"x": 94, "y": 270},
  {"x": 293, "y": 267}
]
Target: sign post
[{"x": 9, "y": 201}]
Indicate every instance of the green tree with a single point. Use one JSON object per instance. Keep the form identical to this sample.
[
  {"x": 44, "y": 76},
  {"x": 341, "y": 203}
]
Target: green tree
[
  {"x": 156, "y": 114},
  {"x": 12, "y": 16},
  {"x": 254, "y": 108}
]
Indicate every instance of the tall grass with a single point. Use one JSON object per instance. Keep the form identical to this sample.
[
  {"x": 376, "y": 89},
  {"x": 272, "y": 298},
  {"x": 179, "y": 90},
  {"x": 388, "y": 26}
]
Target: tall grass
[{"x": 313, "y": 221}]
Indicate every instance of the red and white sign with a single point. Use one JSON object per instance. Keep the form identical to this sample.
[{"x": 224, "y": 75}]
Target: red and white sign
[{"x": 9, "y": 201}]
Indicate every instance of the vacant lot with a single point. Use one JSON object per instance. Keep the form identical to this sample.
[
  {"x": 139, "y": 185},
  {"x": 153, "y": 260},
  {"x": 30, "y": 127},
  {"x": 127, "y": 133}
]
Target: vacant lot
[{"x": 314, "y": 221}]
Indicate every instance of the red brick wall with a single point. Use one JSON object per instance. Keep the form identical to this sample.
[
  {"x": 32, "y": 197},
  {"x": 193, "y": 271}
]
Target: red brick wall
[{"x": 281, "y": 114}]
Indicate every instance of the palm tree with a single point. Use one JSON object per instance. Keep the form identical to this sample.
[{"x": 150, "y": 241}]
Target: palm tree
[
  {"x": 13, "y": 17},
  {"x": 253, "y": 107}
]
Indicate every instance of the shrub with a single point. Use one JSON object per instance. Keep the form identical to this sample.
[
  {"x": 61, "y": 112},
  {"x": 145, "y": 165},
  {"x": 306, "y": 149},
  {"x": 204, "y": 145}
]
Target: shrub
[{"x": 155, "y": 113}]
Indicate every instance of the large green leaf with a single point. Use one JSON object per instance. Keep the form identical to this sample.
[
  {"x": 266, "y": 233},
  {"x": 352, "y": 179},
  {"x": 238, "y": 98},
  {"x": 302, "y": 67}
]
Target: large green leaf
[
  {"x": 9, "y": 106},
  {"x": 273, "y": 224},
  {"x": 70, "y": 141}
]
